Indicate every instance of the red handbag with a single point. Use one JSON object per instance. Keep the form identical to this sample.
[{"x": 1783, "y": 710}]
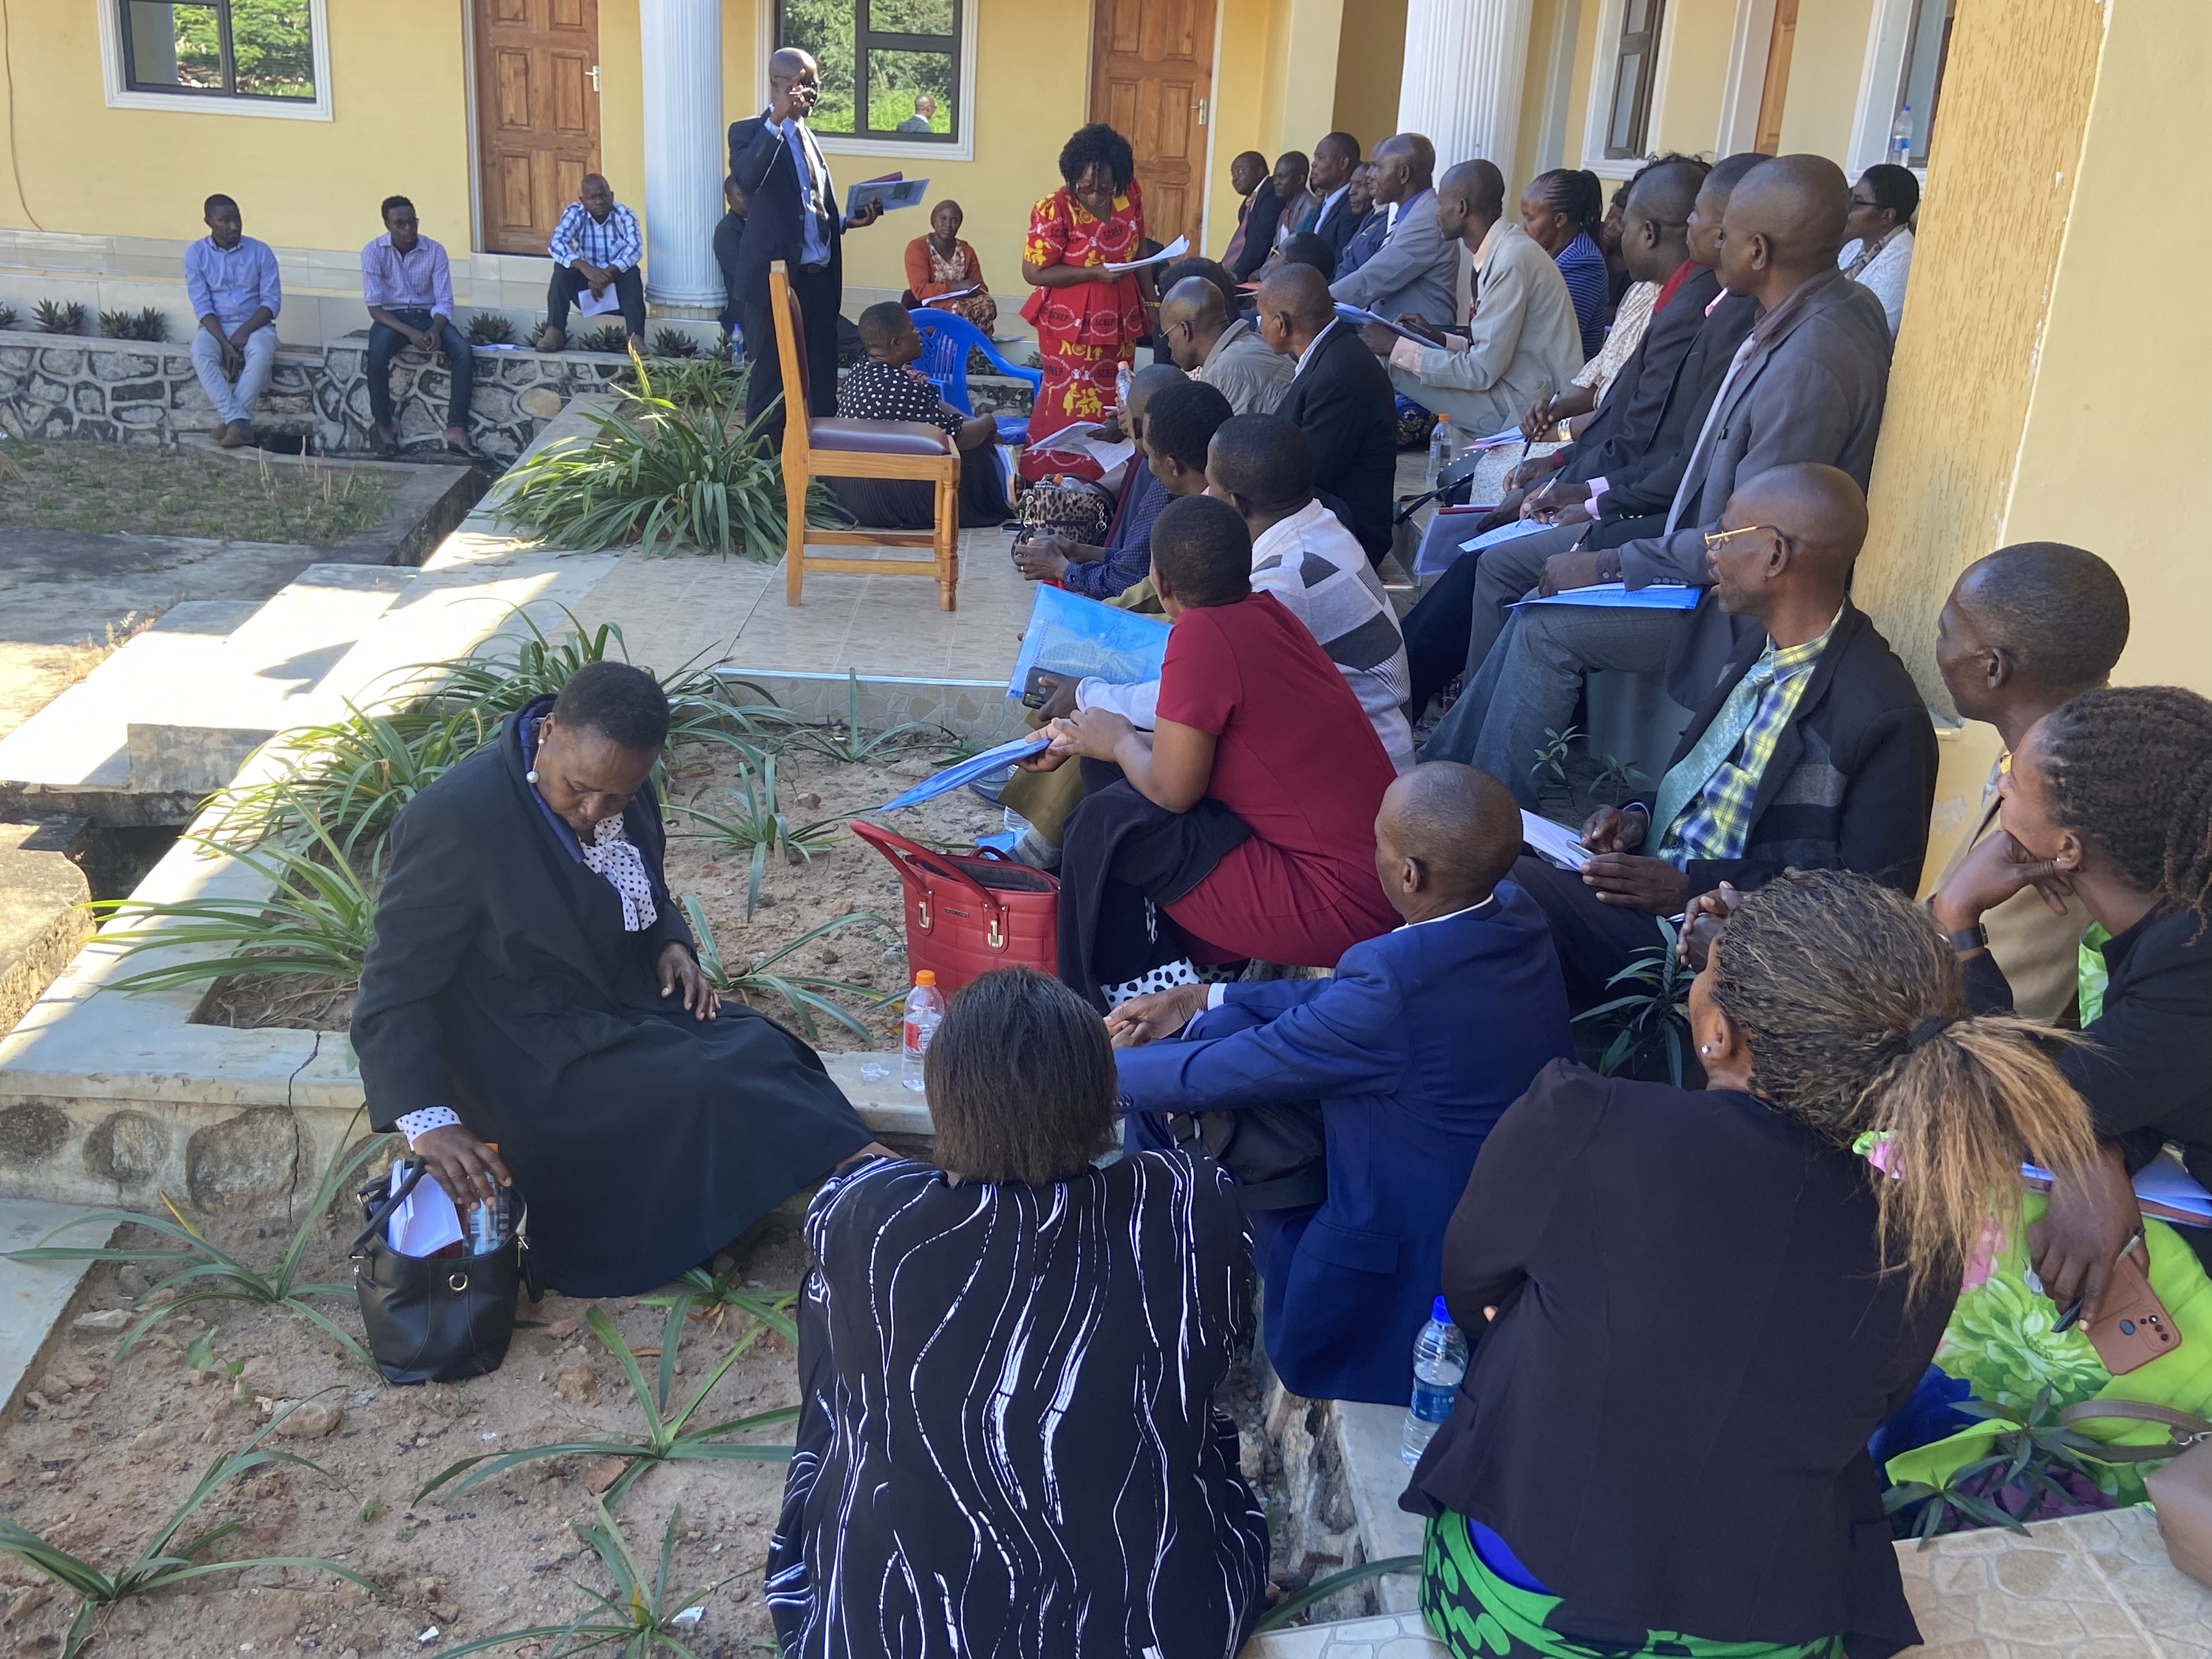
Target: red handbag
[{"x": 966, "y": 914}]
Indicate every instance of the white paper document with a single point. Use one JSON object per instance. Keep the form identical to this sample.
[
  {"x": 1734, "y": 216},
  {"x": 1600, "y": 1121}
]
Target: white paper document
[
  {"x": 425, "y": 1221},
  {"x": 589, "y": 304},
  {"x": 1506, "y": 532},
  {"x": 1555, "y": 842},
  {"x": 1498, "y": 439},
  {"x": 1174, "y": 250}
]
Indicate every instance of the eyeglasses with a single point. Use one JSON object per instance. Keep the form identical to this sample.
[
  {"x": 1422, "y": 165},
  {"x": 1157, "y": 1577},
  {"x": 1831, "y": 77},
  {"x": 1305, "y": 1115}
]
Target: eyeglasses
[
  {"x": 1864, "y": 201},
  {"x": 1719, "y": 538}
]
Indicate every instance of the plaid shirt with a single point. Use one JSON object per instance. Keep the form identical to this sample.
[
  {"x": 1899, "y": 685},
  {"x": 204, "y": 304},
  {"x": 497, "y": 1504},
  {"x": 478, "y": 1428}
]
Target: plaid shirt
[
  {"x": 1718, "y": 820},
  {"x": 611, "y": 245}
]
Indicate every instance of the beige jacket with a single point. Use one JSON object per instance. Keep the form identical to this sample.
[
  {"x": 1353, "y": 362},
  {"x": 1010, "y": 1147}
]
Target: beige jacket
[{"x": 2038, "y": 948}]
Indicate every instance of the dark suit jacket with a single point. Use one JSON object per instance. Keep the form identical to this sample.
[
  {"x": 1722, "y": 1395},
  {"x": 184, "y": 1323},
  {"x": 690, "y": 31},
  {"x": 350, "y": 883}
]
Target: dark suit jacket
[
  {"x": 1646, "y": 484},
  {"x": 1343, "y": 402},
  {"x": 1260, "y": 223},
  {"x": 1692, "y": 1329},
  {"x": 1620, "y": 434},
  {"x": 1853, "y": 778},
  {"x": 729, "y": 252},
  {"x": 1423, "y": 1038},
  {"x": 769, "y": 178},
  {"x": 1336, "y": 224},
  {"x": 1368, "y": 235}
]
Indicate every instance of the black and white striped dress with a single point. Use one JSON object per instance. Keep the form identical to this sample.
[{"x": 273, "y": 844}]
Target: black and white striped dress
[{"x": 1008, "y": 1447}]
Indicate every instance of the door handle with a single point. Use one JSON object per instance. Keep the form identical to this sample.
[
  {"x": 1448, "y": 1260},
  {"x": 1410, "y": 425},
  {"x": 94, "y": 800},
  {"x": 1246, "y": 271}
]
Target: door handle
[
  {"x": 1200, "y": 107},
  {"x": 594, "y": 73}
]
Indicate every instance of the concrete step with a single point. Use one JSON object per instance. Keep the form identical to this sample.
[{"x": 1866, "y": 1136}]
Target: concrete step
[
  {"x": 1389, "y": 1636},
  {"x": 42, "y": 915},
  {"x": 34, "y": 1295}
]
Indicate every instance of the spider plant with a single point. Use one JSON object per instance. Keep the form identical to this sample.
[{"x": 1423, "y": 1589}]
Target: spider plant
[
  {"x": 644, "y": 1615},
  {"x": 318, "y": 920},
  {"x": 755, "y": 822},
  {"x": 658, "y": 474},
  {"x": 163, "y": 1563},
  {"x": 699, "y": 386},
  {"x": 711, "y": 1296},
  {"x": 202, "y": 1273},
  {"x": 801, "y": 993},
  {"x": 1650, "y": 1022},
  {"x": 349, "y": 776},
  {"x": 845, "y": 743},
  {"x": 667, "y": 1439}
]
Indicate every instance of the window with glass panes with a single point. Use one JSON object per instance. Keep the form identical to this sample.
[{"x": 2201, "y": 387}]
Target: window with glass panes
[
  {"x": 220, "y": 48},
  {"x": 1635, "y": 68},
  {"x": 1927, "y": 47},
  {"x": 891, "y": 69}
]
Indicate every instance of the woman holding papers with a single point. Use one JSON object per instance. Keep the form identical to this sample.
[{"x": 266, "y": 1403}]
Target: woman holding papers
[
  {"x": 940, "y": 263},
  {"x": 1089, "y": 318},
  {"x": 1653, "y": 1371},
  {"x": 532, "y": 984}
]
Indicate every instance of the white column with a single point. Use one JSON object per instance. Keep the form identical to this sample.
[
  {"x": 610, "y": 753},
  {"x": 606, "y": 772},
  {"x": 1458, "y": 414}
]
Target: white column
[
  {"x": 686, "y": 151},
  {"x": 1462, "y": 83}
]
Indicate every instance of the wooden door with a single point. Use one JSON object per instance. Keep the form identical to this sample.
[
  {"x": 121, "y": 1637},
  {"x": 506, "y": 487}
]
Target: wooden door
[
  {"x": 1776, "y": 91},
  {"x": 1151, "y": 79},
  {"x": 538, "y": 115}
]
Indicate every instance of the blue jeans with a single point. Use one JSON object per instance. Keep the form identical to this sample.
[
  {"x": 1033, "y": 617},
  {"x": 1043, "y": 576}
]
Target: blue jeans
[{"x": 386, "y": 343}]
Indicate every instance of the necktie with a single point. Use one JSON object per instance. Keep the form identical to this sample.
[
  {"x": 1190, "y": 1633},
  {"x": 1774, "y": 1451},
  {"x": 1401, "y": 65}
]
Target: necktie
[{"x": 1690, "y": 774}]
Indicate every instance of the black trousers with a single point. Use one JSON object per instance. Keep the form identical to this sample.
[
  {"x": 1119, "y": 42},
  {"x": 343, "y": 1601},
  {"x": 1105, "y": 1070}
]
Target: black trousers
[
  {"x": 1596, "y": 940},
  {"x": 561, "y": 292},
  {"x": 818, "y": 299}
]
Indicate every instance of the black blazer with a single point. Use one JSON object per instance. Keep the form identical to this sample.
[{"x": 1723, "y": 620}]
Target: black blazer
[
  {"x": 1647, "y": 483},
  {"x": 1692, "y": 1329},
  {"x": 1343, "y": 402},
  {"x": 1621, "y": 432},
  {"x": 729, "y": 254},
  {"x": 1261, "y": 221},
  {"x": 1852, "y": 780},
  {"x": 768, "y": 174},
  {"x": 1336, "y": 223}
]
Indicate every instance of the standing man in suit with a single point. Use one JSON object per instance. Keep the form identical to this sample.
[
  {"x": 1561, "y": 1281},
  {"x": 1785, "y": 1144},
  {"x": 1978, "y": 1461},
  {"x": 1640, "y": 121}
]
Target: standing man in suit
[
  {"x": 1339, "y": 397},
  {"x": 1332, "y": 218},
  {"x": 794, "y": 217},
  {"x": 1416, "y": 271}
]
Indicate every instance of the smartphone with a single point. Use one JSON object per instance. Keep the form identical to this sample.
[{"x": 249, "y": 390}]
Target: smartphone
[
  {"x": 1037, "y": 689},
  {"x": 2133, "y": 1327}
]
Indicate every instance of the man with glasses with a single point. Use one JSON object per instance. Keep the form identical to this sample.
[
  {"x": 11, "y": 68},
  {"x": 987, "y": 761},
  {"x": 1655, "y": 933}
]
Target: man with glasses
[
  {"x": 1225, "y": 352},
  {"x": 1812, "y": 750},
  {"x": 1807, "y": 385}
]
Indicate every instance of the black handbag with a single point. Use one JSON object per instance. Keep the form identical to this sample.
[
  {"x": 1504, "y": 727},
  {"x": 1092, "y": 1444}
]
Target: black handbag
[
  {"x": 437, "y": 1319},
  {"x": 1278, "y": 1154}
]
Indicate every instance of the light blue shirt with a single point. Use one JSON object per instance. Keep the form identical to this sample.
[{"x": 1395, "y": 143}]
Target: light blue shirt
[
  {"x": 813, "y": 238},
  {"x": 230, "y": 284}
]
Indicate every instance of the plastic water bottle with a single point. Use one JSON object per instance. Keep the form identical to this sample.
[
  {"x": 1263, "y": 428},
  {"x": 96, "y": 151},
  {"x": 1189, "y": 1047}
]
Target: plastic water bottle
[
  {"x": 1121, "y": 378},
  {"x": 1439, "y": 1363},
  {"x": 1900, "y": 137},
  {"x": 925, "y": 1007},
  {"x": 1443, "y": 448}
]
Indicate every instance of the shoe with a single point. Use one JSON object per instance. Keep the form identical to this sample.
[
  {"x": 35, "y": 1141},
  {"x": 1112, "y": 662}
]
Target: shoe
[
  {"x": 552, "y": 340},
  {"x": 383, "y": 442},
  {"x": 230, "y": 436}
]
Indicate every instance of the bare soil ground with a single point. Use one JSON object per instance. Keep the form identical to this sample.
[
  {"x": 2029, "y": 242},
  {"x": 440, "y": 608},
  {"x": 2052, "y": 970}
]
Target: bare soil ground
[
  {"x": 99, "y": 1454},
  {"x": 105, "y": 489}
]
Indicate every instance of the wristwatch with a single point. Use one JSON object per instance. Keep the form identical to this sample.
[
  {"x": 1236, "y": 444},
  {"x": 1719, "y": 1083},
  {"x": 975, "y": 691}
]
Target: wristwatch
[{"x": 1976, "y": 938}]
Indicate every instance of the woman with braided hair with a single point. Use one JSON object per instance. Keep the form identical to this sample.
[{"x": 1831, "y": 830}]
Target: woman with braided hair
[
  {"x": 1700, "y": 1304},
  {"x": 2109, "y": 799},
  {"x": 1561, "y": 210}
]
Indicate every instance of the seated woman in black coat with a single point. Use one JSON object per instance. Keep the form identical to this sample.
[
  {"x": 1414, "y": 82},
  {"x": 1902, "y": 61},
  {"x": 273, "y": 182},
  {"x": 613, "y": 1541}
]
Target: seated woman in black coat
[
  {"x": 1705, "y": 1302},
  {"x": 532, "y": 984},
  {"x": 2110, "y": 799},
  {"x": 1007, "y": 1443}
]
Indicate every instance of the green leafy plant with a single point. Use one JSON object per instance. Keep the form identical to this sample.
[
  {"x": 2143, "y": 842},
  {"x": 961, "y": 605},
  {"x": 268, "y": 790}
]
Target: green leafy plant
[
  {"x": 348, "y": 777},
  {"x": 845, "y": 741},
  {"x": 697, "y": 386},
  {"x": 1618, "y": 780},
  {"x": 148, "y": 324},
  {"x": 318, "y": 920},
  {"x": 658, "y": 474},
  {"x": 58, "y": 317},
  {"x": 200, "y": 1358},
  {"x": 1552, "y": 757},
  {"x": 667, "y": 1438},
  {"x": 645, "y": 1615},
  {"x": 802, "y": 993},
  {"x": 491, "y": 328},
  {"x": 7, "y": 317},
  {"x": 1649, "y": 1023},
  {"x": 164, "y": 1563},
  {"x": 202, "y": 1273},
  {"x": 612, "y": 338},
  {"x": 2035, "y": 1470},
  {"x": 712, "y": 1298},
  {"x": 1321, "y": 1588},
  {"x": 756, "y": 824},
  {"x": 673, "y": 342}
]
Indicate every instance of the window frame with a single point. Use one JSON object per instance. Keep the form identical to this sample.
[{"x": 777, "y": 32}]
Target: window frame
[
  {"x": 959, "y": 146},
  {"x": 1604, "y": 71},
  {"x": 1646, "y": 93},
  {"x": 1881, "y": 81},
  {"x": 122, "y": 93}
]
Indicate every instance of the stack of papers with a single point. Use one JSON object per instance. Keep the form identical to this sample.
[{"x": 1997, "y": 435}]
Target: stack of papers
[
  {"x": 1072, "y": 637},
  {"x": 891, "y": 191},
  {"x": 425, "y": 1221},
  {"x": 2167, "y": 1191},
  {"x": 953, "y": 294},
  {"x": 1506, "y": 532},
  {"x": 1554, "y": 841},
  {"x": 1174, "y": 250}
]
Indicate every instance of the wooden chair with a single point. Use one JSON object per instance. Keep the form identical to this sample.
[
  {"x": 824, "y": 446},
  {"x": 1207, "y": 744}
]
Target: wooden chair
[{"x": 840, "y": 448}]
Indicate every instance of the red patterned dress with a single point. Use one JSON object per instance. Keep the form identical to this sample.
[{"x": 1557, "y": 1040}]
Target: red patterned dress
[{"x": 1086, "y": 329}]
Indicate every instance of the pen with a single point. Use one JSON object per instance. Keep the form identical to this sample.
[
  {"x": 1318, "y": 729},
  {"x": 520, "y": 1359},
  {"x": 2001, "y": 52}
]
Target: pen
[{"x": 2066, "y": 1319}]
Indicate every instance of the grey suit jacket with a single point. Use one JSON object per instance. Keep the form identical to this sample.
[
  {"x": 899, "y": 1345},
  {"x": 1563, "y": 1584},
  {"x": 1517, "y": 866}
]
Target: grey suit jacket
[
  {"x": 1812, "y": 391},
  {"x": 1524, "y": 338},
  {"x": 1415, "y": 270}
]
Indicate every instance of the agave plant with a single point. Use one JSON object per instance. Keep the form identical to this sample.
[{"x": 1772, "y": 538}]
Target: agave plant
[
  {"x": 659, "y": 474},
  {"x": 2034, "y": 1470},
  {"x": 673, "y": 342},
  {"x": 802, "y": 993},
  {"x": 610, "y": 338},
  {"x": 56, "y": 317},
  {"x": 757, "y": 824},
  {"x": 491, "y": 328},
  {"x": 164, "y": 1563}
]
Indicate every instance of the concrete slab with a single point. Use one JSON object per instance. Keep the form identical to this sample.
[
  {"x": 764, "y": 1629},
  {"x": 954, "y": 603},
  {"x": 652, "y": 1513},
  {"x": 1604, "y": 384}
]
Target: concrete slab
[
  {"x": 42, "y": 915},
  {"x": 34, "y": 1295},
  {"x": 1369, "y": 1437}
]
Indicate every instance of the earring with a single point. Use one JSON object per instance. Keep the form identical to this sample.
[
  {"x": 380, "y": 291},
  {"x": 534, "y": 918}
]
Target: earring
[
  {"x": 531, "y": 776},
  {"x": 1705, "y": 1049}
]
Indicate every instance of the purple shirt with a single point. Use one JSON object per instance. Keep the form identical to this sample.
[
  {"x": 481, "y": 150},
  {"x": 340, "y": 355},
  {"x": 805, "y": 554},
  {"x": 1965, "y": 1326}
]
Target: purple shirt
[{"x": 418, "y": 280}]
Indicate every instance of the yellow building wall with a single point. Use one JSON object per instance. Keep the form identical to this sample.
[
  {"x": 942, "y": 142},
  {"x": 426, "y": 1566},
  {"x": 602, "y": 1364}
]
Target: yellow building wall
[
  {"x": 1824, "y": 69},
  {"x": 1696, "y": 56},
  {"x": 1370, "y": 60},
  {"x": 1578, "y": 98},
  {"x": 1535, "y": 82}
]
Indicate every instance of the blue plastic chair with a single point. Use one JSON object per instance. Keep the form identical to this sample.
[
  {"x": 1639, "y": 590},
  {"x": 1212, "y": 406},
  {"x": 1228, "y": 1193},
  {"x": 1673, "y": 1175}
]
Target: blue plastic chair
[{"x": 947, "y": 339}]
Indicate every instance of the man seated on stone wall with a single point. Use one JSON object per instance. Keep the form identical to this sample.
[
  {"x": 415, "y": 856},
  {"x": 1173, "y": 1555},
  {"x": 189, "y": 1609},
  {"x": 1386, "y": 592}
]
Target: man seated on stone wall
[
  {"x": 231, "y": 280},
  {"x": 408, "y": 286},
  {"x": 596, "y": 246}
]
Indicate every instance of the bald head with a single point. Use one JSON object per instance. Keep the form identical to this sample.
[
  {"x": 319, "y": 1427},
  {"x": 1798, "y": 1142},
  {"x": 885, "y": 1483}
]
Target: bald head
[
  {"x": 2059, "y": 613},
  {"x": 1446, "y": 835},
  {"x": 1405, "y": 166},
  {"x": 1667, "y": 191},
  {"x": 1802, "y": 527},
  {"x": 1143, "y": 385},
  {"x": 789, "y": 61},
  {"x": 1192, "y": 317},
  {"x": 1294, "y": 306},
  {"x": 1784, "y": 223},
  {"x": 1470, "y": 197}
]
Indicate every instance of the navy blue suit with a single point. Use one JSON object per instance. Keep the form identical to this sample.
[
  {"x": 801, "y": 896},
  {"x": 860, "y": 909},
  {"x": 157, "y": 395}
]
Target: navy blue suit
[
  {"x": 761, "y": 161},
  {"x": 1414, "y": 1049}
]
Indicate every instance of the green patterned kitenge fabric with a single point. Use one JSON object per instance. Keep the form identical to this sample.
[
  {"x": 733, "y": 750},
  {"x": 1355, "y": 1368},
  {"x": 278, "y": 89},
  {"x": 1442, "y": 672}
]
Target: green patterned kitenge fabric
[{"x": 1477, "y": 1615}]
